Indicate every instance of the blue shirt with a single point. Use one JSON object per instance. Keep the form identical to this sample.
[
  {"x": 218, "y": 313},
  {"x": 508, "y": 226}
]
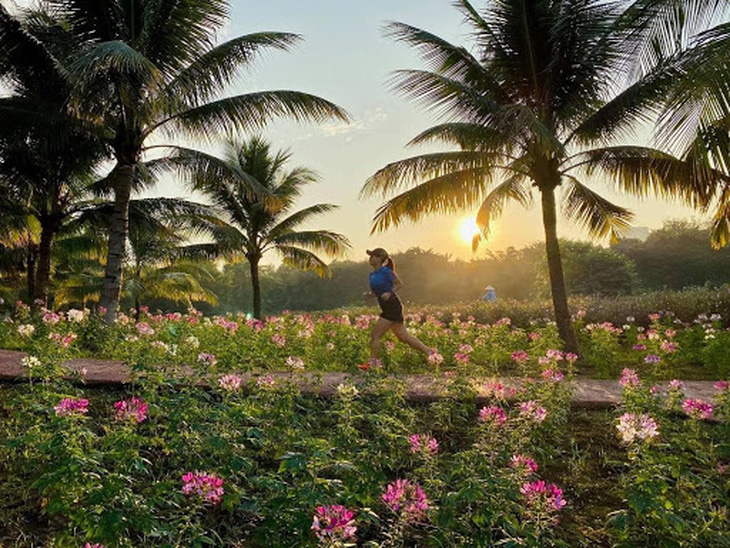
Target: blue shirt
[{"x": 381, "y": 280}]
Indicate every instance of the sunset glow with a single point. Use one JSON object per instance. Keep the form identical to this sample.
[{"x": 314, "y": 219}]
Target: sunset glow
[{"x": 468, "y": 229}]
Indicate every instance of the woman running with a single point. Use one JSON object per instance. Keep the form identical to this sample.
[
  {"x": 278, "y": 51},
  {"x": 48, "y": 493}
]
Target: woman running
[{"x": 383, "y": 285}]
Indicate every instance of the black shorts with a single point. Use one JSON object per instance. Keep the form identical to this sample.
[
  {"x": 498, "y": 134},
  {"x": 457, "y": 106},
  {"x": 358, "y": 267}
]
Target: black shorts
[{"x": 392, "y": 309}]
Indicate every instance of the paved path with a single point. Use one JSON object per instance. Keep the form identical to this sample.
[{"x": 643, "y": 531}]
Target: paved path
[{"x": 588, "y": 393}]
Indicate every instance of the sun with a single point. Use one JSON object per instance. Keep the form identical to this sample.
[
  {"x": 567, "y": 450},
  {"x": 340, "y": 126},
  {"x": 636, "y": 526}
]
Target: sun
[{"x": 468, "y": 229}]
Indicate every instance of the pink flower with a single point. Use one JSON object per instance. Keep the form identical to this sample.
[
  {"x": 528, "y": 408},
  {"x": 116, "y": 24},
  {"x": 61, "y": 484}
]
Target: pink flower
[
  {"x": 265, "y": 382},
  {"x": 334, "y": 524},
  {"x": 534, "y": 336},
  {"x": 294, "y": 363},
  {"x": 531, "y": 410},
  {"x": 676, "y": 385},
  {"x": 143, "y": 328},
  {"x": 669, "y": 347},
  {"x": 466, "y": 348},
  {"x": 72, "y": 407},
  {"x": 51, "y": 318},
  {"x": 434, "y": 358},
  {"x": 652, "y": 358},
  {"x": 419, "y": 442},
  {"x": 539, "y": 492},
  {"x": 571, "y": 358},
  {"x": 492, "y": 415},
  {"x": 523, "y": 463},
  {"x": 207, "y": 359},
  {"x": 96, "y": 545},
  {"x": 639, "y": 347},
  {"x": 229, "y": 325},
  {"x": 553, "y": 376},
  {"x": 132, "y": 410},
  {"x": 499, "y": 391},
  {"x": 230, "y": 383},
  {"x": 279, "y": 340},
  {"x": 209, "y": 487},
  {"x": 723, "y": 468},
  {"x": 722, "y": 385},
  {"x": 698, "y": 409},
  {"x": 462, "y": 358},
  {"x": 520, "y": 356},
  {"x": 632, "y": 427},
  {"x": 406, "y": 498},
  {"x": 629, "y": 378},
  {"x": 555, "y": 355}
]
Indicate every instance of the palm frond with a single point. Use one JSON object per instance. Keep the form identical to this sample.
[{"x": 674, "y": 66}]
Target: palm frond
[
  {"x": 298, "y": 218},
  {"x": 448, "y": 193},
  {"x": 252, "y": 112},
  {"x": 114, "y": 57},
  {"x": 512, "y": 189},
  {"x": 212, "y": 70},
  {"x": 446, "y": 59},
  {"x": 303, "y": 260},
  {"x": 720, "y": 227},
  {"x": 466, "y": 136},
  {"x": 599, "y": 216},
  {"x": 412, "y": 171},
  {"x": 641, "y": 171},
  {"x": 317, "y": 241}
]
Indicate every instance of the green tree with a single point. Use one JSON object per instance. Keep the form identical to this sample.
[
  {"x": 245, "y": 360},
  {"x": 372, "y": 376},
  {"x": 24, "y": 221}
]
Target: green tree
[
  {"x": 256, "y": 226},
  {"x": 677, "y": 256},
  {"x": 534, "y": 107},
  {"x": 150, "y": 70}
]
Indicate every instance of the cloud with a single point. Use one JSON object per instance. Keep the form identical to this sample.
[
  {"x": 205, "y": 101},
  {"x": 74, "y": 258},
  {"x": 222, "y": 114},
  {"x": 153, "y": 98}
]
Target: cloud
[{"x": 370, "y": 120}]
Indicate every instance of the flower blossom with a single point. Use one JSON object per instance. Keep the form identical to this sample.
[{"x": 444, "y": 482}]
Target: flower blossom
[
  {"x": 652, "y": 358},
  {"x": 632, "y": 427},
  {"x": 552, "y": 375},
  {"x": 334, "y": 524},
  {"x": 278, "y": 340},
  {"x": 207, "y": 359},
  {"x": 406, "y": 498},
  {"x": 493, "y": 415},
  {"x": 70, "y": 407},
  {"x": 629, "y": 378},
  {"x": 75, "y": 315},
  {"x": 536, "y": 492},
  {"x": 722, "y": 385},
  {"x": 230, "y": 383},
  {"x": 698, "y": 409},
  {"x": 207, "y": 486},
  {"x": 523, "y": 464},
  {"x": 419, "y": 442},
  {"x": 520, "y": 357},
  {"x": 434, "y": 358},
  {"x": 143, "y": 328},
  {"x": 26, "y": 330},
  {"x": 132, "y": 410},
  {"x": 531, "y": 410},
  {"x": 294, "y": 363}
]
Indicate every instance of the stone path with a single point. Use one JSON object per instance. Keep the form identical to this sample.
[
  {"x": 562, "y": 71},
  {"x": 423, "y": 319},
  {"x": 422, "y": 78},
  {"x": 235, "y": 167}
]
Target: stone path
[{"x": 588, "y": 393}]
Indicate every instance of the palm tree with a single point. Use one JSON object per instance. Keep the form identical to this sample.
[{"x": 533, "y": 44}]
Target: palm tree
[
  {"x": 151, "y": 70},
  {"x": 47, "y": 156},
  {"x": 535, "y": 107},
  {"x": 253, "y": 226}
]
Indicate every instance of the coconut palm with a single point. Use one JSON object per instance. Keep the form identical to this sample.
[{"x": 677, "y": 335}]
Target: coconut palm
[
  {"x": 534, "y": 108},
  {"x": 150, "y": 70},
  {"x": 255, "y": 227},
  {"x": 47, "y": 156}
]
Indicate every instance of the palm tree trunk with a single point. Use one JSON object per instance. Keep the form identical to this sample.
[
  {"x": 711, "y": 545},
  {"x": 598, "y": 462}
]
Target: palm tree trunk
[
  {"x": 30, "y": 272},
  {"x": 111, "y": 290},
  {"x": 256, "y": 285},
  {"x": 43, "y": 272},
  {"x": 555, "y": 268}
]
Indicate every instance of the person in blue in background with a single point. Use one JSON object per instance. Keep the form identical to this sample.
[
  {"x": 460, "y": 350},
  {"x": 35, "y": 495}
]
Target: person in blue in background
[
  {"x": 489, "y": 294},
  {"x": 383, "y": 284}
]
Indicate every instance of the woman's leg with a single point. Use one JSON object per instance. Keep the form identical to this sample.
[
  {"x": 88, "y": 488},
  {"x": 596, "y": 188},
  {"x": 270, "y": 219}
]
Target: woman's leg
[
  {"x": 381, "y": 328},
  {"x": 400, "y": 331}
]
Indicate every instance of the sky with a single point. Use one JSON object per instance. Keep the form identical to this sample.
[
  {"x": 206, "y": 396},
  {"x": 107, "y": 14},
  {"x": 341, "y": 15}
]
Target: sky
[{"x": 346, "y": 59}]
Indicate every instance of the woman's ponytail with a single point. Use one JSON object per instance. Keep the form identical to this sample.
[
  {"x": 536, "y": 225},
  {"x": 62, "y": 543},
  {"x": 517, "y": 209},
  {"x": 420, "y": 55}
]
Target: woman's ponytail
[{"x": 389, "y": 263}]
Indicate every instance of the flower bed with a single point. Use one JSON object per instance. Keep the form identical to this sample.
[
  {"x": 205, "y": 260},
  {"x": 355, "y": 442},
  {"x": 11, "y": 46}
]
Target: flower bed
[
  {"x": 697, "y": 348},
  {"x": 167, "y": 464}
]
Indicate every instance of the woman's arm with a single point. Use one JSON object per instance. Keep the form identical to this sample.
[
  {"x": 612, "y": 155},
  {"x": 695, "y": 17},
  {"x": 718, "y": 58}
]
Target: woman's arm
[{"x": 396, "y": 285}]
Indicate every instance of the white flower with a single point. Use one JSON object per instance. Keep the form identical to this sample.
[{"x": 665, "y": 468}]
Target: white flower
[
  {"x": 29, "y": 362},
  {"x": 75, "y": 315},
  {"x": 192, "y": 341},
  {"x": 26, "y": 330},
  {"x": 347, "y": 391}
]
